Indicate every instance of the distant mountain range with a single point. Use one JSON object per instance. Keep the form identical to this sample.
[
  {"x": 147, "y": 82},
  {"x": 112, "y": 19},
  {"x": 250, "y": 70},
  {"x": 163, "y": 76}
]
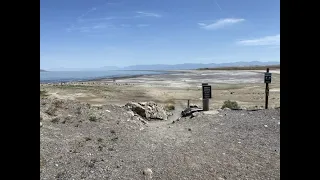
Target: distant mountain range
[
  {"x": 41, "y": 70},
  {"x": 176, "y": 66},
  {"x": 197, "y": 65}
]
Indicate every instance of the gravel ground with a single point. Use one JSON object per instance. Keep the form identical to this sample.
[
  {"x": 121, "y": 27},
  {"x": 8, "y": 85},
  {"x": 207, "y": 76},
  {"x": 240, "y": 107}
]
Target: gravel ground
[{"x": 78, "y": 141}]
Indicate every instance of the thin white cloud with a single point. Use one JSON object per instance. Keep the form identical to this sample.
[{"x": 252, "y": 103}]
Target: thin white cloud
[
  {"x": 220, "y": 23},
  {"x": 92, "y": 28},
  {"x": 125, "y": 25},
  {"x": 86, "y": 13},
  {"x": 148, "y": 14},
  {"x": 218, "y": 5},
  {"x": 264, "y": 41},
  {"x": 143, "y": 25}
]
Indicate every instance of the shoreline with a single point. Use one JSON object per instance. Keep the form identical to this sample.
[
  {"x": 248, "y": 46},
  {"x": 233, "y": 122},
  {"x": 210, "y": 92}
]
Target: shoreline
[{"x": 110, "y": 78}]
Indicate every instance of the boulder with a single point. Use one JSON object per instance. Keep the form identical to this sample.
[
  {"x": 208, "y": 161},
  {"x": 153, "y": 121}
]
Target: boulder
[
  {"x": 137, "y": 108},
  {"x": 148, "y": 110}
]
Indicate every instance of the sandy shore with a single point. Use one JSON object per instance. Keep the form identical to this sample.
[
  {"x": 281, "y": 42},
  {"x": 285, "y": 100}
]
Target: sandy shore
[{"x": 244, "y": 86}]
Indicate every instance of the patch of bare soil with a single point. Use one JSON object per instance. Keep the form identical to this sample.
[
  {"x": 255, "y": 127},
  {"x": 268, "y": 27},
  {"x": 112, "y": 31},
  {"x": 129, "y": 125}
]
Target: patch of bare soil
[{"x": 79, "y": 141}]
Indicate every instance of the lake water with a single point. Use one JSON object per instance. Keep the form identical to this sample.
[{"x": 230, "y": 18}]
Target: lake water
[{"x": 66, "y": 76}]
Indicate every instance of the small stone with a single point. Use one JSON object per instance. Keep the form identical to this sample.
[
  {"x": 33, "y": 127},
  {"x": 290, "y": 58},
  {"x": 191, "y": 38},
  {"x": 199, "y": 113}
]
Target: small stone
[
  {"x": 173, "y": 122},
  {"x": 223, "y": 153},
  {"x": 41, "y": 124},
  {"x": 189, "y": 129},
  {"x": 265, "y": 125},
  {"x": 147, "y": 172},
  {"x": 278, "y": 123},
  {"x": 131, "y": 113},
  {"x": 107, "y": 110},
  {"x": 239, "y": 142},
  {"x": 195, "y": 114},
  {"x": 242, "y": 114},
  {"x": 56, "y": 165}
]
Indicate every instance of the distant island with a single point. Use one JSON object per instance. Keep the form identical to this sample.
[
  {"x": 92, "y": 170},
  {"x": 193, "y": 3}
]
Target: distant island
[{"x": 41, "y": 70}]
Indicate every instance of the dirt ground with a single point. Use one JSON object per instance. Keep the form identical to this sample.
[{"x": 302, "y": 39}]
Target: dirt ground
[
  {"x": 80, "y": 141},
  {"x": 244, "y": 86}
]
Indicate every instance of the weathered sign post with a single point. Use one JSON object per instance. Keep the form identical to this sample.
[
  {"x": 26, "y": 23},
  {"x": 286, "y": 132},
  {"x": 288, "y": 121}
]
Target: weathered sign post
[
  {"x": 267, "y": 80},
  {"x": 206, "y": 95}
]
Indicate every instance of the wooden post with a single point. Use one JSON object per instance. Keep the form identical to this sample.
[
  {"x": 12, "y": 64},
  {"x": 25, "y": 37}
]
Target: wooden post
[
  {"x": 188, "y": 103},
  {"x": 267, "y": 92}
]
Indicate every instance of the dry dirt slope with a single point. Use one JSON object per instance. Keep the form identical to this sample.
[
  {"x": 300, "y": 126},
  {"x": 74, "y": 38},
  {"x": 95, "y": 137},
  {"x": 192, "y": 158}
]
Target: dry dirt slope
[{"x": 82, "y": 142}]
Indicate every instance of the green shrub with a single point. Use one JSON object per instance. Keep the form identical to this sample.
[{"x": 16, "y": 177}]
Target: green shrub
[
  {"x": 93, "y": 118},
  {"x": 169, "y": 107},
  {"x": 43, "y": 93},
  {"x": 230, "y": 104}
]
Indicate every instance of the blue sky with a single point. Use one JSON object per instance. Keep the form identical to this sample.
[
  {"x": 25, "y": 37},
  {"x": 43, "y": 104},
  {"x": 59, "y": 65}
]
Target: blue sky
[{"x": 97, "y": 33}]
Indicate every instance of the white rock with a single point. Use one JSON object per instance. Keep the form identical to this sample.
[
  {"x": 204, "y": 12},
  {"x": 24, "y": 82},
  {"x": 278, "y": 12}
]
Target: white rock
[
  {"x": 265, "y": 125},
  {"x": 56, "y": 165},
  {"x": 131, "y": 113},
  {"x": 278, "y": 123},
  {"x": 239, "y": 142},
  {"x": 147, "y": 172},
  {"x": 41, "y": 124},
  {"x": 107, "y": 110}
]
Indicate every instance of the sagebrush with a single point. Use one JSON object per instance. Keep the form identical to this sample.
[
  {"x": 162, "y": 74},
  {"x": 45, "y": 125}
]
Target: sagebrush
[{"x": 230, "y": 104}]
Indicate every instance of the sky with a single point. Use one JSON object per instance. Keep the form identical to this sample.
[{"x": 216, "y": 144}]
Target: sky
[{"x": 98, "y": 33}]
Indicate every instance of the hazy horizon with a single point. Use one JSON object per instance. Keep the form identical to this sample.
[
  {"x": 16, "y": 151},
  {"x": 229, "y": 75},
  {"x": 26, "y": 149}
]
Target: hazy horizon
[
  {"x": 158, "y": 66},
  {"x": 97, "y": 33}
]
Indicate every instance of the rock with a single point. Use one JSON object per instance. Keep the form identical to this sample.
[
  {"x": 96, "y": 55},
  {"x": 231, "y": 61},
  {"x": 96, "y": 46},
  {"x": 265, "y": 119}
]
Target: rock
[
  {"x": 265, "y": 125},
  {"x": 137, "y": 108},
  {"x": 189, "y": 129},
  {"x": 149, "y": 110},
  {"x": 41, "y": 124},
  {"x": 147, "y": 172},
  {"x": 131, "y": 113},
  {"x": 193, "y": 106},
  {"x": 189, "y": 111},
  {"x": 143, "y": 121},
  {"x": 195, "y": 114},
  {"x": 227, "y": 109}
]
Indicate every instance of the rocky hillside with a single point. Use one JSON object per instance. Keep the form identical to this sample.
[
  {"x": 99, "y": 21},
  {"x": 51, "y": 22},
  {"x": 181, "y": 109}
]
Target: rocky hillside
[{"x": 78, "y": 141}]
